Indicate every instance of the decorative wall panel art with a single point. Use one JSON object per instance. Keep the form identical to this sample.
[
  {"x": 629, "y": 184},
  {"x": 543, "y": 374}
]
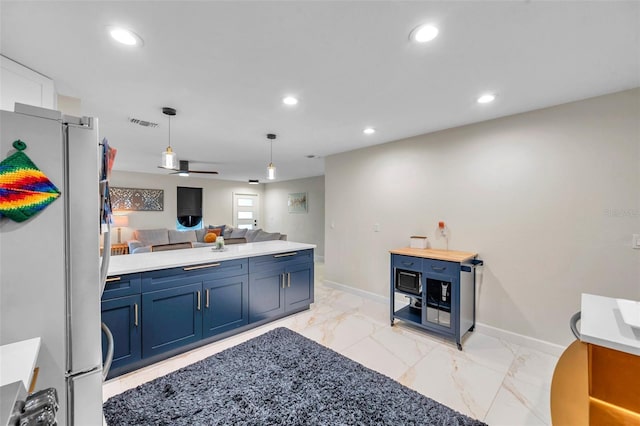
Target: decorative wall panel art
[
  {"x": 137, "y": 199},
  {"x": 297, "y": 202}
]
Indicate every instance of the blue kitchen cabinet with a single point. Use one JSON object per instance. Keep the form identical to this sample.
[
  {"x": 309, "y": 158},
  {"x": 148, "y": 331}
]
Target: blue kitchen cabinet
[
  {"x": 171, "y": 318},
  {"x": 266, "y": 298},
  {"x": 120, "y": 310},
  {"x": 160, "y": 313},
  {"x": 298, "y": 292},
  {"x": 226, "y": 304},
  {"x": 122, "y": 317},
  {"x": 280, "y": 284}
]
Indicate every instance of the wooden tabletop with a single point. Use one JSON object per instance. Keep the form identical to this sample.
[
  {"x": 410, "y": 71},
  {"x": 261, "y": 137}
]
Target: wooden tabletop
[{"x": 449, "y": 255}]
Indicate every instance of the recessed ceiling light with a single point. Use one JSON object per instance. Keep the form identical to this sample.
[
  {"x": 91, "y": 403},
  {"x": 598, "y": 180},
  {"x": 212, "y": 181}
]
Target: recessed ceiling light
[
  {"x": 183, "y": 174},
  {"x": 253, "y": 181},
  {"x": 485, "y": 99},
  {"x": 369, "y": 131},
  {"x": 290, "y": 100},
  {"x": 424, "y": 33},
  {"x": 125, "y": 36}
]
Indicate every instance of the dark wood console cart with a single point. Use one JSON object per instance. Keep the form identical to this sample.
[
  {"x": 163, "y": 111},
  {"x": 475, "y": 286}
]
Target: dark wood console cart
[{"x": 440, "y": 286}]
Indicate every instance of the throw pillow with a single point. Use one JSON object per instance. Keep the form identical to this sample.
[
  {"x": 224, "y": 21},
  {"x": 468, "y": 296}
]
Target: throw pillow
[
  {"x": 200, "y": 233},
  {"x": 176, "y": 236},
  {"x": 238, "y": 233},
  {"x": 252, "y": 234},
  {"x": 227, "y": 232},
  {"x": 152, "y": 237},
  {"x": 221, "y": 227},
  {"x": 210, "y": 237},
  {"x": 266, "y": 236}
]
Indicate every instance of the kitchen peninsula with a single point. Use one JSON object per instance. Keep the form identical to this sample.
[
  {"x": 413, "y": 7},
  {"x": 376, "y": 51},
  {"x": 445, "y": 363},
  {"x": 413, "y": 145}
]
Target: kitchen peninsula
[
  {"x": 595, "y": 381},
  {"x": 163, "y": 303}
]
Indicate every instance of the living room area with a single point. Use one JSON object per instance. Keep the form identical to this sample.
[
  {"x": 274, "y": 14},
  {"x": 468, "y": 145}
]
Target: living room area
[{"x": 273, "y": 211}]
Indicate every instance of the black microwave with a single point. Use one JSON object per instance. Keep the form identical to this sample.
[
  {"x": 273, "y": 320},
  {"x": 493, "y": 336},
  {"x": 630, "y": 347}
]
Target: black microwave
[{"x": 409, "y": 281}]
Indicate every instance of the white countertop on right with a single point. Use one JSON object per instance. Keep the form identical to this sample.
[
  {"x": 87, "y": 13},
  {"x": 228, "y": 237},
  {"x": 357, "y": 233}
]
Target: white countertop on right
[{"x": 602, "y": 324}]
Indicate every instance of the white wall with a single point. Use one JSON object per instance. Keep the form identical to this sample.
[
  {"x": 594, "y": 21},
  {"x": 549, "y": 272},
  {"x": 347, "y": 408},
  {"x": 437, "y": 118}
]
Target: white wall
[
  {"x": 217, "y": 199},
  {"x": 301, "y": 227},
  {"x": 549, "y": 199}
]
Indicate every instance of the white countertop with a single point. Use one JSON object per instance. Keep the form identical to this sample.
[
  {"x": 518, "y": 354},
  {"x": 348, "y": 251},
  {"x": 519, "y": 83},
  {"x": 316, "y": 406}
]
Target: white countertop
[
  {"x": 602, "y": 324},
  {"x": 126, "y": 264},
  {"x": 17, "y": 361}
]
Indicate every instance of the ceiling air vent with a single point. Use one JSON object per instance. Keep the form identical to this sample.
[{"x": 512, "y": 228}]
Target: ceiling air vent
[{"x": 142, "y": 123}]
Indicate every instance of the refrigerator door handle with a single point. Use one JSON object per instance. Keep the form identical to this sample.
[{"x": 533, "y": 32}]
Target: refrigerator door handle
[
  {"x": 109, "y": 357},
  {"x": 106, "y": 257}
]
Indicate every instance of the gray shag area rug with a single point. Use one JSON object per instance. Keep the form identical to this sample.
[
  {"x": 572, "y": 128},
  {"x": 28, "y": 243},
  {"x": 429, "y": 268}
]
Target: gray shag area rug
[{"x": 278, "y": 378}]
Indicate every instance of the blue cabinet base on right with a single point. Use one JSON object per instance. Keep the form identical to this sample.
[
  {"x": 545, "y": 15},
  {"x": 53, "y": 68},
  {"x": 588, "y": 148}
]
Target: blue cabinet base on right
[{"x": 440, "y": 294}]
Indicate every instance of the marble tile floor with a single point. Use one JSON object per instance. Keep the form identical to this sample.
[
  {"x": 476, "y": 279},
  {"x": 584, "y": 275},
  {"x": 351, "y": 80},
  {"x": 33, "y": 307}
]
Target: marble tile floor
[{"x": 492, "y": 380}]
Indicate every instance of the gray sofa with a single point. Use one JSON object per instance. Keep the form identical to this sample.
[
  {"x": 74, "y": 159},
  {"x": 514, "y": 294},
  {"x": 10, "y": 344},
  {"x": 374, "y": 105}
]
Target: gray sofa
[{"x": 148, "y": 240}]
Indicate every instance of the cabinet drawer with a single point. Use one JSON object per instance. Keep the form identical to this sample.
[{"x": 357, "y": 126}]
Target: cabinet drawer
[
  {"x": 270, "y": 261},
  {"x": 121, "y": 285},
  {"x": 441, "y": 267},
  {"x": 174, "y": 277},
  {"x": 407, "y": 262}
]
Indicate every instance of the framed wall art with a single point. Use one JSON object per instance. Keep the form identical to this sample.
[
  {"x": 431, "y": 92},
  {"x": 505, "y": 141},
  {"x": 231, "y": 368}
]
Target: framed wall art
[
  {"x": 137, "y": 199},
  {"x": 297, "y": 202}
]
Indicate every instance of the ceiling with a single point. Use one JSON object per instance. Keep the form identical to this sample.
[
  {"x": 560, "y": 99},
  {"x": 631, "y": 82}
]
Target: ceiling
[{"x": 225, "y": 67}]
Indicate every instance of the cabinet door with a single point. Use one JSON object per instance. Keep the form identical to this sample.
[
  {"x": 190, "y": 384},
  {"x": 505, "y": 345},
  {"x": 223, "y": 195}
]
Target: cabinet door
[
  {"x": 171, "y": 318},
  {"x": 225, "y": 304},
  {"x": 440, "y": 302},
  {"x": 122, "y": 317},
  {"x": 266, "y": 294},
  {"x": 299, "y": 286}
]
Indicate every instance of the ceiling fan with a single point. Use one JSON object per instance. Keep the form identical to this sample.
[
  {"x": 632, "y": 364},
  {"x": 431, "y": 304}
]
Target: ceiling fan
[
  {"x": 169, "y": 157},
  {"x": 184, "y": 170}
]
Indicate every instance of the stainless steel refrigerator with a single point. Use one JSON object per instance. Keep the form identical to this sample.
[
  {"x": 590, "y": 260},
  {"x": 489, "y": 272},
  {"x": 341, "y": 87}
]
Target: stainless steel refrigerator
[{"x": 50, "y": 263}]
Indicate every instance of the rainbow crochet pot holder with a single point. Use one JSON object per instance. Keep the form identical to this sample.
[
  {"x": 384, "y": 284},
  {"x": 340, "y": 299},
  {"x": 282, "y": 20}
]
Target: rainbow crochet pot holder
[{"x": 24, "y": 189}]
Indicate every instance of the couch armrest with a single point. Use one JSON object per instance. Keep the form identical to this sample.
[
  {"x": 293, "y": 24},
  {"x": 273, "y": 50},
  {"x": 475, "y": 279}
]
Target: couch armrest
[
  {"x": 143, "y": 249},
  {"x": 134, "y": 244}
]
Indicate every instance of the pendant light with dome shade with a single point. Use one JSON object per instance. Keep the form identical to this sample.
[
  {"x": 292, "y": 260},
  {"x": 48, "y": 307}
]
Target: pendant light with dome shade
[
  {"x": 271, "y": 169},
  {"x": 169, "y": 158}
]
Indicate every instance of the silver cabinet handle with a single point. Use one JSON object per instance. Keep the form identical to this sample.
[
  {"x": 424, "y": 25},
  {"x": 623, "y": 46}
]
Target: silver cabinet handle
[
  {"x": 288, "y": 279},
  {"x": 210, "y": 265},
  {"x": 206, "y": 303},
  {"x": 112, "y": 279},
  {"x": 282, "y": 276},
  {"x": 198, "y": 299},
  {"x": 438, "y": 268},
  {"x": 135, "y": 314},
  {"x": 285, "y": 254}
]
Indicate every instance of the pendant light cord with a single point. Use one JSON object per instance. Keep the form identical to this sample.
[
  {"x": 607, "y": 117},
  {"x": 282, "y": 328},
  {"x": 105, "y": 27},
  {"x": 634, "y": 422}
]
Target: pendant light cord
[{"x": 169, "y": 131}]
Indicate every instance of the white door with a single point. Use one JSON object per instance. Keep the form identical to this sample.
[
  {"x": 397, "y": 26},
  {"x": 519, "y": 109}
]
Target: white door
[{"x": 246, "y": 211}]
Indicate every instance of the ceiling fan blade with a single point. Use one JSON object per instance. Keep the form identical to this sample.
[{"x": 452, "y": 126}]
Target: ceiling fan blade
[
  {"x": 184, "y": 168},
  {"x": 203, "y": 172}
]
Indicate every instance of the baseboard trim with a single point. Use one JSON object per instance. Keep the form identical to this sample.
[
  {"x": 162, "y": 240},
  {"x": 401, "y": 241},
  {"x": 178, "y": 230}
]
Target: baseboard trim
[
  {"x": 521, "y": 339},
  {"x": 509, "y": 336},
  {"x": 357, "y": 291}
]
